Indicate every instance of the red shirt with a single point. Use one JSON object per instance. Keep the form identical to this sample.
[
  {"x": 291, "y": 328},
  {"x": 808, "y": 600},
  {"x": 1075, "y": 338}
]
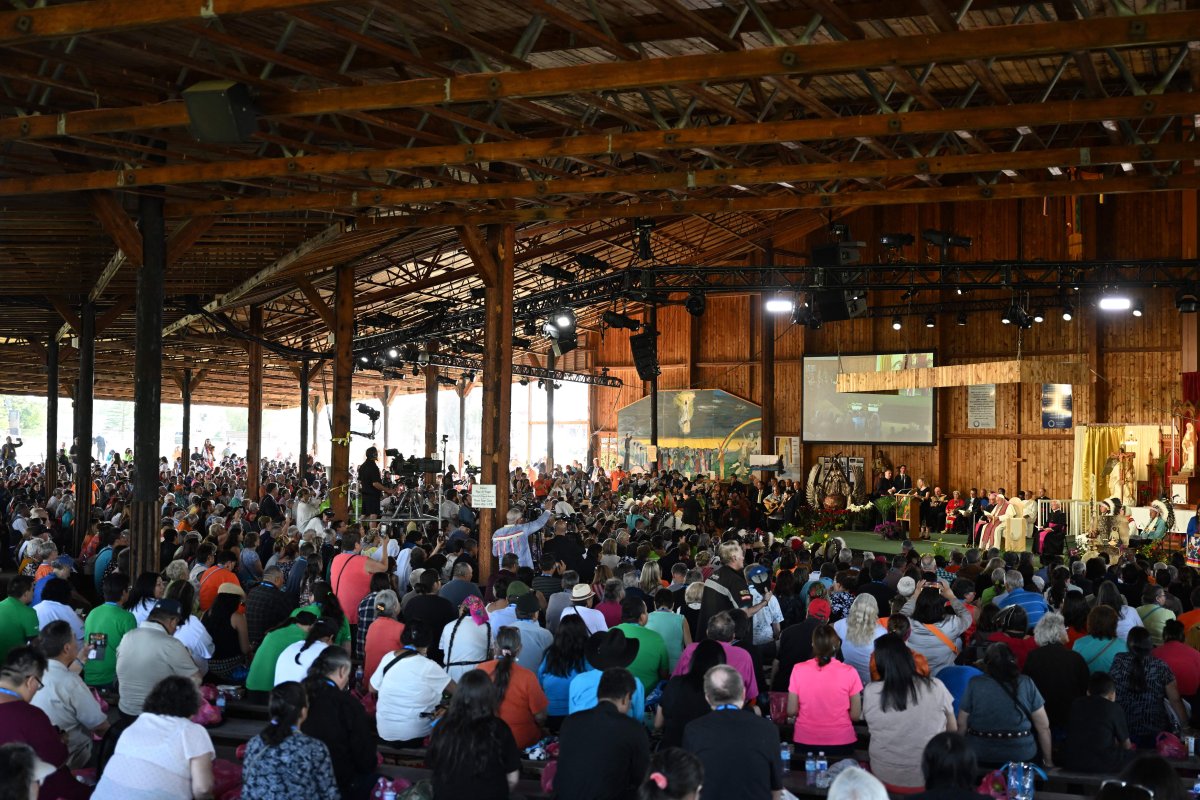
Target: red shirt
[
  {"x": 1021, "y": 647},
  {"x": 350, "y": 581},
  {"x": 1184, "y": 663},
  {"x": 382, "y": 638}
]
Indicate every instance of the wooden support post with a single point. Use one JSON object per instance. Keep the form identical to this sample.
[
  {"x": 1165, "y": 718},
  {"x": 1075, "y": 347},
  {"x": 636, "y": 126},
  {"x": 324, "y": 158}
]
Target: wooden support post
[
  {"x": 497, "y": 388},
  {"x": 343, "y": 385},
  {"x": 302, "y": 459},
  {"x": 83, "y": 421},
  {"x": 1190, "y": 361},
  {"x": 550, "y": 365},
  {"x": 315, "y": 408},
  {"x": 462, "y": 425},
  {"x": 431, "y": 414},
  {"x": 185, "y": 395},
  {"x": 52, "y": 412},
  {"x": 254, "y": 404},
  {"x": 766, "y": 367},
  {"x": 385, "y": 397}
]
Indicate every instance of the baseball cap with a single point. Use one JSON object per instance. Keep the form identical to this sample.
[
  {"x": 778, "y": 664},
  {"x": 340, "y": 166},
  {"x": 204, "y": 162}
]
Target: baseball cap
[
  {"x": 818, "y": 608},
  {"x": 168, "y": 606},
  {"x": 65, "y": 561},
  {"x": 528, "y": 603},
  {"x": 906, "y": 586},
  {"x": 758, "y": 575},
  {"x": 517, "y": 588}
]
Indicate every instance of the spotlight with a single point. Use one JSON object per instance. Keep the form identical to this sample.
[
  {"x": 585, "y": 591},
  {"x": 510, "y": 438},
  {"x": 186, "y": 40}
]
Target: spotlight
[
  {"x": 416, "y": 370},
  {"x": 1115, "y": 302},
  {"x": 588, "y": 261},
  {"x": 1187, "y": 299},
  {"x": 467, "y": 346},
  {"x": 909, "y": 294},
  {"x": 446, "y": 380},
  {"x": 541, "y": 384},
  {"x": 945, "y": 239},
  {"x": 364, "y": 359},
  {"x": 962, "y": 319},
  {"x": 557, "y": 273},
  {"x": 895, "y": 240},
  {"x": 560, "y": 322},
  {"x": 1138, "y": 309},
  {"x": 695, "y": 304},
  {"x": 524, "y": 381},
  {"x": 643, "y": 226},
  {"x": 614, "y": 320},
  {"x": 1068, "y": 312},
  {"x": 530, "y": 328},
  {"x": 1011, "y": 313},
  {"x": 393, "y": 354},
  {"x": 470, "y": 376},
  {"x": 780, "y": 303},
  {"x": 521, "y": 344},
  {"x": 929, "y": 321},
  {"x": 897, "y": 324},
  {"x": 1038, "y": 316}
]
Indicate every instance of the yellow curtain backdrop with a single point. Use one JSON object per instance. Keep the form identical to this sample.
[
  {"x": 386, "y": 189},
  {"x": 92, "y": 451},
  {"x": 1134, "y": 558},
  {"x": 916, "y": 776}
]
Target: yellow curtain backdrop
[{"x": 1100, "y": 441}]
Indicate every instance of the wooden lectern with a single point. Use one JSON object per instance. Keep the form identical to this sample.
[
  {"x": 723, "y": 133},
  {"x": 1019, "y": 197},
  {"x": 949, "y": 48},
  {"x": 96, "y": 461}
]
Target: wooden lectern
[
  {"x": 1185, "y": 489},
  {"x": 907, "y": 510}
]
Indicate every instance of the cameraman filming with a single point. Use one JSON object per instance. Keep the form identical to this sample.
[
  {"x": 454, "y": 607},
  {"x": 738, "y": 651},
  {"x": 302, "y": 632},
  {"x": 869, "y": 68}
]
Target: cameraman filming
[{"x": 370, "y": 484}]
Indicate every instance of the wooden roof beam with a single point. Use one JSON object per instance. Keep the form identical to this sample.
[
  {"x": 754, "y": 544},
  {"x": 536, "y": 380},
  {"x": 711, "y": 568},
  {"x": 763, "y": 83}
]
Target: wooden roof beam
[
  {"x": 123, "y": 304},
  {"x": 110, "y": 16},
  {"x": 718, "y": 178},
  {"x": 316, "y": 302},
  {"x": 112, "y": 217},
  {"x": 1021, "y": 41},
  {"x": 66, "y": 312},
  {"x": 788, "y": 202},
  {"x": 475, "y": 243},
  {"x": 874, "y": 125}
]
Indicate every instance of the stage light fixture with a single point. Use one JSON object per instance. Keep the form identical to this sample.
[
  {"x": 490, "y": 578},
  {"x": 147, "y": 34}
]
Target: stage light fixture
[
  {"x": 896, "y": 240},
  {"x": 695, "y": 304},
  {"x": 643, "y": 226},
  {"x": 541, "y": 384},
  {"x": 945, "y": 239},
  {"x": 588, "y": 261},
  {"x": 446, "y": 380},
  {"x": 393, "y": 354},
  {"x": 521, "y": 344},
  {"x": 478, "y": 292},
  {"x": 1115, "y": 302},
  {"x": 614, "y": 320},
  {"x": 1068, "y": 312},
  {"x": 1138, "y": 309},
  {"x": 780, "y": 303},
  {"x": 909, "y": 294},
  {"x": 1010, "y": 314},
  {"x": 467, "y": 346},
  {"x": 470, "y": 376},
  {"x": 930, "y": 321},
  {"x": 416, "y": 370},
  {"x": 557, "y": 273},
  {"x": 364, "y": 359},
  {"x": 962, "y": 319},
  {"x": 524, "y": 381},
  {"x": 1187, "y": 299},
  {"x": 530, "y": 328},
  {"x": 897, "y": 324},
  {"x": 1038, "y": 316}
]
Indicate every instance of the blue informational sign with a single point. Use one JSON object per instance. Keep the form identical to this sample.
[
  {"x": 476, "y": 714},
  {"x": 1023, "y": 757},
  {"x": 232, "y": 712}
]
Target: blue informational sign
[{"x": 1056, "y": 405}]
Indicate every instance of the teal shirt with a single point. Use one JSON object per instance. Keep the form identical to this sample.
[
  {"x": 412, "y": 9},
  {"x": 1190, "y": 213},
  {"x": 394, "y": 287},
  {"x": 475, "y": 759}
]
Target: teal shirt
[
  {"x": 104, "y": 628},
  {"x": 1098, "y": 653},
  {"x": 669, "y": 626}
]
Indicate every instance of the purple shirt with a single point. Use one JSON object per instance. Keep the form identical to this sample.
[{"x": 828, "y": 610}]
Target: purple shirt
[
  {"x": 735, "y": 657},
  {"x": 22, "y": 722}
]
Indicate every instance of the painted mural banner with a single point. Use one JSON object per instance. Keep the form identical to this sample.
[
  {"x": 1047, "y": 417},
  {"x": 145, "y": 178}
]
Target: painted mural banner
[{"x": 700, "y": 432}]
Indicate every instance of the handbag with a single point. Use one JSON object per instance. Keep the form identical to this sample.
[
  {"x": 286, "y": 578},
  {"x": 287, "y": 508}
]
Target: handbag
[{"x": 1170, "y": 747}]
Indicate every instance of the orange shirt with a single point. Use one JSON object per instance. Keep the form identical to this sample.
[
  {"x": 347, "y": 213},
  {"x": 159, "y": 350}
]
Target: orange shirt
[
  {"x": 382, "y": 638},
  {"x": 1190, "y": 619},
  {"x": 523, "y": 700},
  {"x": 210, "y": 582},
  {"x": 919, "y": 661}
]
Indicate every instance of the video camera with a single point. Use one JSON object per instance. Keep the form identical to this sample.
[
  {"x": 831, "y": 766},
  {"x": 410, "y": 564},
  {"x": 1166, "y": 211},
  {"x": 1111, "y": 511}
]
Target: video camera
[
  {"x": 370, "y": 413},
  {"x": 470, "y": 470},
  {"x": 412, "y": 465}
]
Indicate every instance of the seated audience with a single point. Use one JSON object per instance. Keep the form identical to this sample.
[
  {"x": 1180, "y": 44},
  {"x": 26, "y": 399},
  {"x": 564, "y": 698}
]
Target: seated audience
[
  {"x": 1153, "y": 612},
  {"x": 602, "y": 752},
  {"x": 1002, "y": 711},
  {"x": 1097, "y": 733},
  {"x": 104, "y": 627},
  {"x": 739, "y": 749},
  {"x": 903, "y": 711},
  {"x": 272, "y": 757},
  {"x": 1145, "y": 688},
  {"x": 230, "y": 635},
  {"x": 522, "y": 703},
  {"x": 295, "y": 659},
  {"x": 261, "y": 677},
  {"x": 683, "y": 695},
  {"x": 949, "y": 768},
  {"x": 151, "y": 653},
  {"x": 825, "y": 699},
  {"x": 338, "y": 719},
  {"x": 673, "y": 774},
  {"x": 1102, "y": 644},
  {"x": 1183, "y": 660},
  {"x": 1146, "y": 776},
  {"x": 856, "y": 783},
  {"x": 386, "y": 629},
  {"x": 410, "y": 687},
  {"x": 937, "y": 631},
  {"x": 669, "y": 625},
  {"x": 606, "y": 651},
  {"x": 1059, "y": 673},
  {"x": 191, "y": 630},
  {"x": 472, "y": 751},
  {"x": 21, "y": 772},
  {"x": 723, "y": 628},
  {"x": 565, "y": 658},
  {"x": 21, "y": 677},
  {"x": 795, "y": 644},
  {"x": 163, "y": 754},
  {"x": 64, "y": 696},
  {"x": 467, "y": 642},
  {"x": 858, "y": 631}
]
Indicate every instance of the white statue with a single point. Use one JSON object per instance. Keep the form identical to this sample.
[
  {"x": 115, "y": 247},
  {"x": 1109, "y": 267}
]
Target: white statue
[{"x": 1189, "y": 450}]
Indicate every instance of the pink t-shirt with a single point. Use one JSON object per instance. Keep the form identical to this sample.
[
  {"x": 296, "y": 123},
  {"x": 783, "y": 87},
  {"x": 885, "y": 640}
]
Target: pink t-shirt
[
  {"x": 350, "y": 581},
  {"x": 824, "y": 694},
  {"x": 735, "y": 657}
]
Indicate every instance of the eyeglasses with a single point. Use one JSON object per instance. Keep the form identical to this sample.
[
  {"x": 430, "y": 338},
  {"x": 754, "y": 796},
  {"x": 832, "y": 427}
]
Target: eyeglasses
[
  {"x": 39, "y": 683},
  {"x": 1116, "y": 784}
]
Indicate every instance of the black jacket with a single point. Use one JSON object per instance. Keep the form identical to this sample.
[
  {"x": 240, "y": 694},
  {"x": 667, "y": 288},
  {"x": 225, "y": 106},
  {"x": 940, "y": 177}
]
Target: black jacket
[
  {"x": 338, "y": 720},
  {"x": 603, "y": 755}
]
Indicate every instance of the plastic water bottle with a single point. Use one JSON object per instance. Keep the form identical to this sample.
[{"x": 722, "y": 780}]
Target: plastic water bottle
[
  {"x": 1020, "y": 782},
  {"x": 389, "y": 794},
  {"x": 358, "y": 677},
  {"x": 785, "y": 756},
  {"x": 221, "y": 701},
  {"x": 822, "y": 771},
  {"x": 810, "y": 766}
]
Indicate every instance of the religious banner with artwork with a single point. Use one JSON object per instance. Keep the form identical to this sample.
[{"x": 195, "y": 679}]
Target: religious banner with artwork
[
  {"x": 700, "y": 432},
  {"x": 1057, "y": 409}
]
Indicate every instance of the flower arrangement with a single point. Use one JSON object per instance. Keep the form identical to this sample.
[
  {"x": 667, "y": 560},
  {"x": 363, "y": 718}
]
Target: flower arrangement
[
  {"x": 940, "y": 549},
  {"x": 890, "y": 529}
]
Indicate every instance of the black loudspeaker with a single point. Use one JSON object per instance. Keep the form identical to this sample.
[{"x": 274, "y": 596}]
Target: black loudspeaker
[
  {"x": 833, "y": 305},
  {"x": 221, "y": 112},
  {"x": 644, "y": 347},
  {"x": 835, "y": 255}
]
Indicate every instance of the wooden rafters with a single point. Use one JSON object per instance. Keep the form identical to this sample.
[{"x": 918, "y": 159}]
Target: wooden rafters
[{"x": 1026, "y": 41}]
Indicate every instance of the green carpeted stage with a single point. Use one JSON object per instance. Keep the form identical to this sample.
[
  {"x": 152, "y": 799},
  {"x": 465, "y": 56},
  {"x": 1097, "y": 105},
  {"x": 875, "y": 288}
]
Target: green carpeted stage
[{"x": 868, "y": 540}]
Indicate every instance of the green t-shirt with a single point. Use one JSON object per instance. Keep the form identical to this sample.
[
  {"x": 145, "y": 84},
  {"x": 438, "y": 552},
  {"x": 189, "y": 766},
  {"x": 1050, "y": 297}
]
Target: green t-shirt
[
  {"x": 104, "y": 627},
  {"x": 652, "y": 661},
  {"x": 343, "y": 634},
  {"x": 262, "y": 669},
  {"x": 18, "y": 624}
]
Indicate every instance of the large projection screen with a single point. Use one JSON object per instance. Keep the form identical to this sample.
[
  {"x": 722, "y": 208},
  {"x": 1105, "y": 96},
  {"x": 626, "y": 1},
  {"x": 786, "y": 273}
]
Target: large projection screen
[{"x": 904, "y": 417}]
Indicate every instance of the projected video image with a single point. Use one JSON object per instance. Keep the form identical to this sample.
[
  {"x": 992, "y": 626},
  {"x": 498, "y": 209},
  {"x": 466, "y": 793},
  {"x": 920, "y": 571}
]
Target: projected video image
[{"x": 904, "y": 417}]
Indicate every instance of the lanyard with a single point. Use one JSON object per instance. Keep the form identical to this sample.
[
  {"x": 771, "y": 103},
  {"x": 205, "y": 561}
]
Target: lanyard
[
  {"x": 727, "y": 707},
  {"x": 11, "y": 693}
]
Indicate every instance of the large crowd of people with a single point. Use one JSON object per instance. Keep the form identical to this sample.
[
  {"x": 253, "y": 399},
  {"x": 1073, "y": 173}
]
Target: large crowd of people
[{"x": 650, "y": 630}]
